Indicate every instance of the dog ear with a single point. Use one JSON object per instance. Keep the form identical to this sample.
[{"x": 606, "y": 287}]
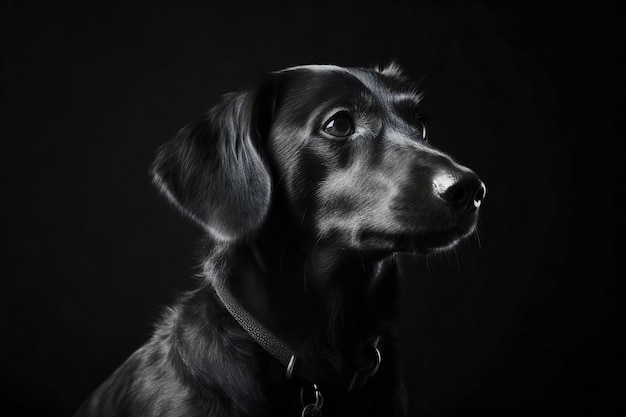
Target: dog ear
[{"x": 214, "y": 170}]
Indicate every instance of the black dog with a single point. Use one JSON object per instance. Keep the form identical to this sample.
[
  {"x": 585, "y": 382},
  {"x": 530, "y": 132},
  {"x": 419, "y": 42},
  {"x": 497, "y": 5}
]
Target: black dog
[{"x": 306, "y": 186}]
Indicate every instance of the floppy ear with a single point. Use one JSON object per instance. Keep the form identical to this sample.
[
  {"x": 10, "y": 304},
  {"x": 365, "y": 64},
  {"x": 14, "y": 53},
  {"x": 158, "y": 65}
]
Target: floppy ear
[{"x": 214, "y": 170}]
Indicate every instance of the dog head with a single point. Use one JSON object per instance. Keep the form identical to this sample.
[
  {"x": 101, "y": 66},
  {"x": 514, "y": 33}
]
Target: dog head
[{"x": 347, "y": 149}]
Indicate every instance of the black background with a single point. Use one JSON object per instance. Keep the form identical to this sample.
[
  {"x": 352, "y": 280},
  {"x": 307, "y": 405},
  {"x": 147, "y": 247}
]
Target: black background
[{"x": 524, "y": 321}]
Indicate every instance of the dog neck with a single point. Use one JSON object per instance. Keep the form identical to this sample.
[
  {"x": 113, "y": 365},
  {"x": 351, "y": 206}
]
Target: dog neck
[{"x": 323, "y": 301}]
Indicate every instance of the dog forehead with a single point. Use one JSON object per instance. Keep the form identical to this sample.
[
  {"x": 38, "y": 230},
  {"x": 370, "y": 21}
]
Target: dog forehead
[
  {"x": 320, "y": 82},
  {"x": 304, "y": 91},
  {"x": 368, "y": 76},
  {"x": 328, "y": 78},
  {"x": 320, "y": 68}
]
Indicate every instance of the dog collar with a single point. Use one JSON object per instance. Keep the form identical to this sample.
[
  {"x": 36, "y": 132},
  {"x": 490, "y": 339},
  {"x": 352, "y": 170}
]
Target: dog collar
[
  {"x": 327, "y": 379},
  {"x": 268, "y": 341}
]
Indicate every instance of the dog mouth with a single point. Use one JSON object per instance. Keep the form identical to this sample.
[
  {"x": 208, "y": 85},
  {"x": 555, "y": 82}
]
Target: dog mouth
[
  {"x": 418, "y": 241},
  {"x": 423, "y": 243}
]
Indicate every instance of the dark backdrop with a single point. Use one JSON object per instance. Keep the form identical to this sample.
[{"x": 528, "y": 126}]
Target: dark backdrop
[{"x": 525, "y": 321}]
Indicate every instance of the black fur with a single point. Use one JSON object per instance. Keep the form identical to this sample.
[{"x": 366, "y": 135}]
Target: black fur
[{"x": 304, "y": 217}]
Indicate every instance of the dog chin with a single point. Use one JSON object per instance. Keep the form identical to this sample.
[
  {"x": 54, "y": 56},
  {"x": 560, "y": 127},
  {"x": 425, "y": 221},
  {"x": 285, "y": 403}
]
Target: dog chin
[
  {"x": 422, "y": 243},
  {"x": 427, "y": 250},
  {"x": 408, "y": 243},
  {"x": 446, "y": 241},
  {"x": 441, "y": 241},
  {"x": 434, "y": 243}
]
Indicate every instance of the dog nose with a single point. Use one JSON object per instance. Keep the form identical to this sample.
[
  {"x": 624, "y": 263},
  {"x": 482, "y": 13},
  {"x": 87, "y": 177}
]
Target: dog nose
[{"x": 463, "y": 192}]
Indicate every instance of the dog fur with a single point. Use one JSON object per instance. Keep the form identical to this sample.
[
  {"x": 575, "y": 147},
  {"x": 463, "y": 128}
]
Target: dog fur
[{"x": 307, "y": 186}]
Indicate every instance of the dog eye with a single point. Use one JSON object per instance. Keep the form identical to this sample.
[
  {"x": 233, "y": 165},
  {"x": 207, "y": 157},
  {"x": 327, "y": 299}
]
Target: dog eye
[{"x": 340, "y": 125}]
